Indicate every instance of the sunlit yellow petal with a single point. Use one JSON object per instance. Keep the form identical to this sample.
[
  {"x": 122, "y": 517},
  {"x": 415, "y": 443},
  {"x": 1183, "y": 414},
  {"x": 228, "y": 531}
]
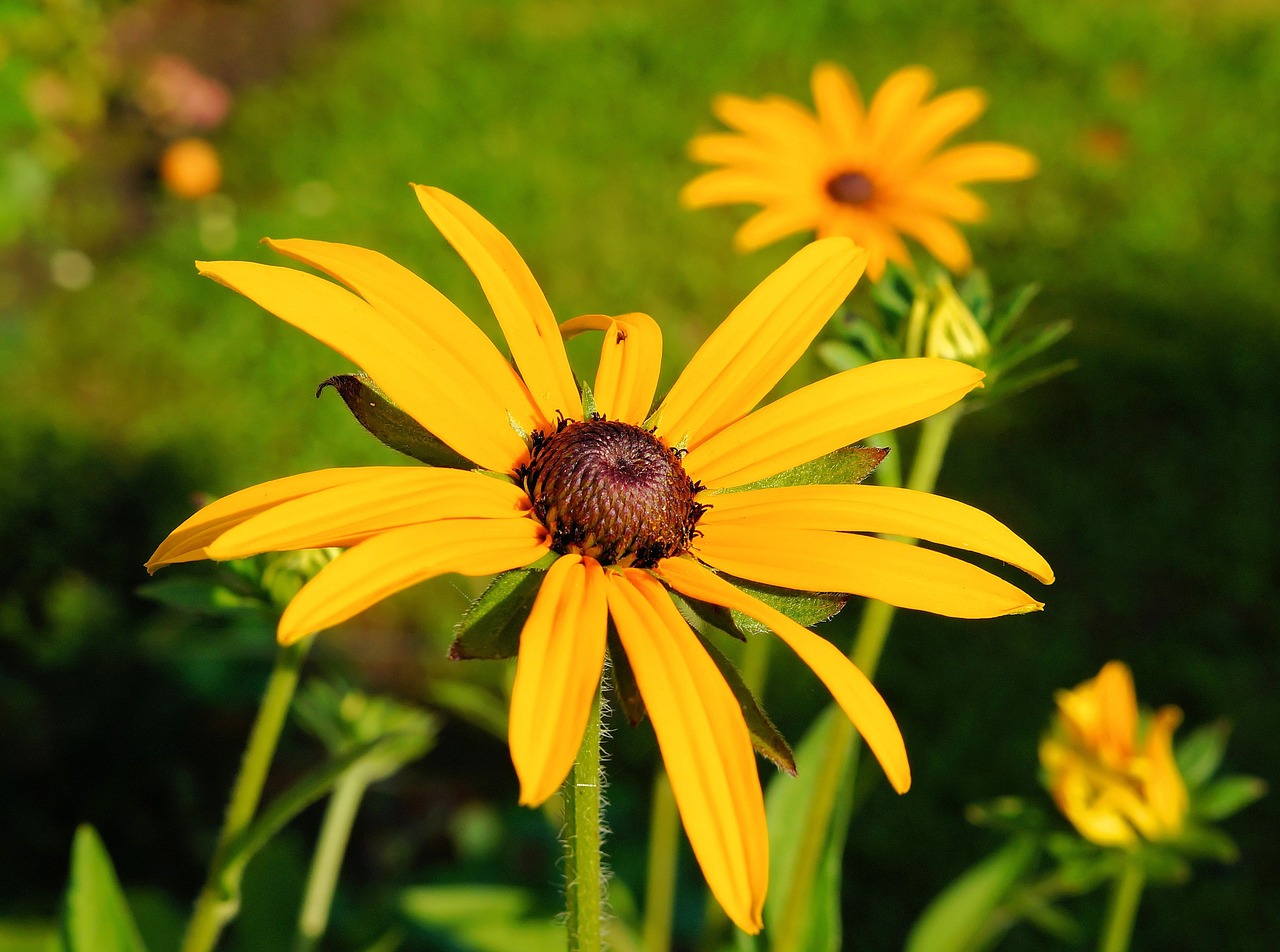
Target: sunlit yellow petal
[
  {"x": 1117, "y": 709},
  {"x": 728, "y": 148},
  {"x": 449, "y": 344},
  {"x": 775, "y": 222},
  {"x": 905, "y": 575},
  {"x": 356, "y": 330},
  {"x": 942, "y": 239},
  {"x": 517, "y": 301},
  {"x": 733, "y": 186},
  {"x": 187, "y": 542},
  {"x": 931, "y": 125},
  {"x": 940, "y": 198},
  {"x": 981, "y": 162},
  {"x": 630, "y": 361},
  {"x": 839, "y": 105},
  {"x": 856, "y": 696},
  {"x": 394, "y": 560},
  {"x": 774, "y": 118},
  {"x": 826, "y": 415},
  {"x": 894, "y": 105},
  {"x": 558, "y": 673},
  {"x": 1165, "y": 788},
  {"x": 704, "y": 743},
  {"x": 880, "y": 509},
  {"x": 344, "y": 515},
  {"x": 749, "y": 353}
]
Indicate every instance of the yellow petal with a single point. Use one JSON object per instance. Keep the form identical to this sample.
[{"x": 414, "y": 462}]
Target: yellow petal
[
  {"x": 448, "y": 342},
  {"x": 732, "y": 186},
  {"x": 344, "y": 515},
  {"x": 869, "y": 231},
  {"x": 557, "y": 675},
  {"x": 749, "y": 353},
  {"x": 981, "y": 162},
  {"x": 895, "y": 105},
  {"x": 839, "y": 104},
  {"x": 856, "y": 696},
  {"x": 1166, "y": 791},
  {"x": 932, "y": 125},
  {"x": 878, "y": 509},
  {"x": 517, "y": 301},
  {"x": 908, "y": 576},
  {"x": 777, "y": 119},
  {"x": 729, "y": 148},
  {"x": 942, "y": 239},
  {"x": 187, "y": 542},
  {"x": 1117, "y": 709},
  {"x": 356, "y": 330},
  {"x": 630, "y": 361},
  {"x": 776, "y": 222},
  {"x": 704, "y": 743},
  {"x": 394, "y": 560},
  {"x": 827, "y": 415},
  {"x": 941, "y": 198}
]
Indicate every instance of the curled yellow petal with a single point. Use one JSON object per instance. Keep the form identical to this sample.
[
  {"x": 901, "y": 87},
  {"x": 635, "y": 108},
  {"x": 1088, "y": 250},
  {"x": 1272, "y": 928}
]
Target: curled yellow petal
[
  {"x": 908, "y": 576},
  {"x": 517, "y": 301},
  {"x": 630, "y": 361},
  {"x": 187, "y": 542},
  {"x": 880, "y": 509},
  {"x": 393, "y": 560},
  {"x": 561, "y": 656},
  {"x": 704, "y": 743},
  {"x": 747, "y": 354},
  {"x": 827, "y": 415},
  {"x": 334, "y": 316},
  {"x": 856, "y": 695},
  {"x": 344, "y": 515}
]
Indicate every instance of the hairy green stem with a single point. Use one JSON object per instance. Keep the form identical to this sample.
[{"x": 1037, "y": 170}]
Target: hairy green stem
[
  {"x": 841, "y": 763},
  {"x": 1126, "y": 893},
  {"x": 331, "y": 846},
  {"x": 584, "y": 879},
  {"x": 664, "y": 850},
  {"x": 215, "y": 907}
]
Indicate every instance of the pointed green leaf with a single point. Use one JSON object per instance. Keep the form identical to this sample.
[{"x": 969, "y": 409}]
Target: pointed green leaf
[
  {"x": 1208, "y": 842},
  {"x": 975, "y": 293},
  {"x": 1227, "y": 796},
  {"x": 804, "y": 608},
  {"x": 1200, "y": 753},
  {"x": 1012, "y": 353},
  {"x": 717, "y": 616},
  {"x": 199, "y": 595},
  {"x": 589, "y": 410},
  {"x": 849, "y": 464},
  {"x": 96, "y": 917},
  {"x": 491, "y": 627},
  {"x": 960, "y": 914},
  {"x": 391, "y": 425},
  {"x": 765, "y": 738},
  {"x": 894, "y": 292},
  {"x": 625, "y": 688},
  {"x": 802, "y": 908},
  {"x": 1008, "y": 312}
]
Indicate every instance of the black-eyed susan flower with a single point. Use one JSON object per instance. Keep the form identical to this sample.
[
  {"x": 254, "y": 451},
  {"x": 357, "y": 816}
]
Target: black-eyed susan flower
[
  {"x": 873, "y": 174},
  {"x": 1113, "y": 777},
  {"x": 620, "y": 506}
]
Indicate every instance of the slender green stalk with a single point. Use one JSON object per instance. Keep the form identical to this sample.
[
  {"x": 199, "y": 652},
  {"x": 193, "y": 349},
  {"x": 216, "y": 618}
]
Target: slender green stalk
[
  {"x": 584, "y": 879},
  {"x": 664, "y": 849},
  {"x": 1125, "y": 896},
  {"x": 868, "y": 646},
  {"x": 214, "y": 906},
  {"x": 322, "y": 880}
]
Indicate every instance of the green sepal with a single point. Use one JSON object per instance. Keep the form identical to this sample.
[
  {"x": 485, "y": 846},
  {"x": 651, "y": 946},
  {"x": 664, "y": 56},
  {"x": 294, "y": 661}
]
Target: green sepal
[
  {"x": 894, "y": 293},
  {"x": 765, "y": 738},
  {"x": 849, "y": 464},
  {"x": 490, "y": 628},
  {"x": 974, "y": 291},
  {"x": 625, "y": 688},
  {"x": 1014, "y": 352},
  {"x": 391, "y": 425},
  {"x": 1200, "y": 753},
  {"x": 589, "y": 410},
  {"x": 95, "y": 916},
  {"x": 1006, "y": 315},
  {"x": 1206, "y": 842},
  {"x": 1227, "y": 796},
  {"x": 200, "y": 595},
  {"x": 717, "y": 616}
]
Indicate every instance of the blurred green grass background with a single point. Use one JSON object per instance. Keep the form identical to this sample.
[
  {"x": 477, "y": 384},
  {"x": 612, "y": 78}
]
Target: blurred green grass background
[{"x": 1147, "y": 476}]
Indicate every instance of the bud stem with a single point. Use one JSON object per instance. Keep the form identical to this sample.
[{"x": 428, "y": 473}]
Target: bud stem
[{"x": 1125, "y": 896}]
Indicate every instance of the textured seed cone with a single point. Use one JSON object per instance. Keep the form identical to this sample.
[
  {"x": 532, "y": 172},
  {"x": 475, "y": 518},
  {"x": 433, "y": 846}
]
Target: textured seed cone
[{"x": 612, "y": 491}]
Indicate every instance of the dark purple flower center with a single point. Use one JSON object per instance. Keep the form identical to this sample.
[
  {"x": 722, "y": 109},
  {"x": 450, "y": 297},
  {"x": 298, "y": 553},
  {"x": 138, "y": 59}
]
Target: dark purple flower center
[
  {"x": 851, "y": 188},
  {"x": 612, "y": 491}
]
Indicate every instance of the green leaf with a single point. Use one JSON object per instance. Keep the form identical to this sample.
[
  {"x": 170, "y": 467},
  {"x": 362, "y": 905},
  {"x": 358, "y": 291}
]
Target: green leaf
[
  {"x": 1227, "y": 796},
  {"x": 717, "y": 616},
  {"x": 490, "y": 628},
  {"x": 588, "y": 401},
  {"x": 471, "y": 702},
  {"x": 1009, "y": 355},
  {"x": 802, "y": 909},
  {"x": 96, "y": 917},
  {"x": 849, "y": 464},
  {"x": 894, "y": 292},
  {"x": 198, "y": 595},
  {"x": 974, "y": 291},
  {"x": 1208, "y": 842},
  {"x": 765, "y": 738},
  {"x": 841, "y": 356},
  {"x": 958, "y": 918},
  {"x": 625, "y": 688},
  {"x": 30, "y": 935},
  {"x": 482, "y": 918},
  {"x": 391, "y": 425},
  {"x": 1008, "y": 312},
  {"x": 1199, "y": 754}
]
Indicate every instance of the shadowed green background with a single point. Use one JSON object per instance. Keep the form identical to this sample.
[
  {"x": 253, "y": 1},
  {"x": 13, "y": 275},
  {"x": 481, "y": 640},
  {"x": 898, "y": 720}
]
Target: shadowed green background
[{"x": 1146, "y": 476}]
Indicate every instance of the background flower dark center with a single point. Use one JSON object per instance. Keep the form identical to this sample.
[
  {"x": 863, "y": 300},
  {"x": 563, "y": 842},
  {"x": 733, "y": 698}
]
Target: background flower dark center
[
  {"x": 851, "y": 188},
  {"x": 612, "y": 491}
]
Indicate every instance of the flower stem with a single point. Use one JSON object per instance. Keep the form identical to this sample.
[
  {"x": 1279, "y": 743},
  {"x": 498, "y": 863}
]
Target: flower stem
[
  {"x": 584, "y": 879},
  {"x": 664, "y": 848},
  {"x": 322, "y": 880},
  {"x": 216, "y": 906},
  {"x": 1125, "y": 895},
  {"x": 841, "y": 764}
]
